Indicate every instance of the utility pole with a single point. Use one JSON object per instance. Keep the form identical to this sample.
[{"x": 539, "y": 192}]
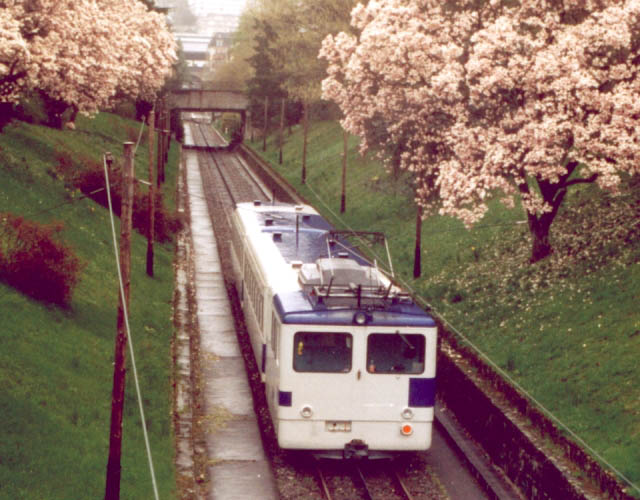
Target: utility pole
[
  {"x": 152, "y": 208},
  {"x": 112, "y": 489},
  {"x": 160, "y": 158},
  {"x": 264, "y": 128},
  {"x": 417, "y": 255},
  {"x": 280, "y": 137},
  {"x": 343, "y": 198},
  {"x": 305, "y": 125}
]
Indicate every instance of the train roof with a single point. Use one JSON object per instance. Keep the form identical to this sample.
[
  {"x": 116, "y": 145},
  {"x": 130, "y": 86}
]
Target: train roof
[
  {"x": 316, "y": 276},
  {"x": 295, "y": 307},
  {"x": 298, "y": 232}
]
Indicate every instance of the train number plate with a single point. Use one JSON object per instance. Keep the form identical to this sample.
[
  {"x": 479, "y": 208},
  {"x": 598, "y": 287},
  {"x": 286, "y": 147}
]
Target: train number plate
[{"x": 338, "y": 426}]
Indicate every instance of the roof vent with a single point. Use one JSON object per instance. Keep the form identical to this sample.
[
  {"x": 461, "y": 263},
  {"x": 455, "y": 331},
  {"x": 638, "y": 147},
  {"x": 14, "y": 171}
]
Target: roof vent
[
  {"x": 268, "y": 222},
  {"x": 257, "y": 203},
  {"x": 306, "y": 218},
  {"x": 277, "y": 237},
  {"x": 296, "y": 264},
  {"x": 343, "y": 255}
]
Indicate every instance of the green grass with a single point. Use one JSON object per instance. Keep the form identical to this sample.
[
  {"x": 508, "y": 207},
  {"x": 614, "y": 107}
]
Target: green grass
[
  {"x": 56, "y": 365},
  {"x": 567, "y": 329}
]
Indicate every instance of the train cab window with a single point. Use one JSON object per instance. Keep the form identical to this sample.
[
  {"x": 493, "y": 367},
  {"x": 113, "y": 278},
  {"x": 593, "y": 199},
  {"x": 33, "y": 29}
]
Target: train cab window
[
  {"x": 395, "y": 353},
  {"x": 322, "y": 352}
]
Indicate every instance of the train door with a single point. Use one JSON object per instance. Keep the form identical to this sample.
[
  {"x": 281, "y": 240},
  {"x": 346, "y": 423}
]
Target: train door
[
  {"x": 393, "y": 365},
  {"x": 317, "y": 371}
]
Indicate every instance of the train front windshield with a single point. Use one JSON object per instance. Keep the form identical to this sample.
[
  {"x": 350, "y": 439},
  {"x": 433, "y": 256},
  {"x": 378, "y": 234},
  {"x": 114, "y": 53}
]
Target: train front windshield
[
  {"x": 387, "y": 353},
  {"x": 395, "y": 353},
  {"x": 322, "y": 352}
]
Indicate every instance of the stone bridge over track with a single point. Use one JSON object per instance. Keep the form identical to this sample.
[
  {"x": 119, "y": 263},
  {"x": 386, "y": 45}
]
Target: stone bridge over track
[
  {"x": 204, "y": 100},
  {"x": 209, "y": 100}
]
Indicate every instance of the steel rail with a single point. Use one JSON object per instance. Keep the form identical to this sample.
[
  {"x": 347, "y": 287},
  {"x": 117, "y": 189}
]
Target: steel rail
[
  {"x": 359, "y": 477},
  {"x": 324, "y": 486},
  {"x": 401, "y": 486}
]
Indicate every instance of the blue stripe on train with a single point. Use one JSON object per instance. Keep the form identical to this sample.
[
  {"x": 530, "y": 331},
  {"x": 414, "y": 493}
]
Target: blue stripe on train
[{"x": 422, "y": 392}]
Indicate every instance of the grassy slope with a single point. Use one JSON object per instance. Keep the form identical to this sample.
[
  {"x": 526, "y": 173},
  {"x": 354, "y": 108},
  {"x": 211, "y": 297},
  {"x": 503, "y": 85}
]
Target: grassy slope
[
  {"x": 56, "y": 365},
  {"x": 567, "y": 329}
]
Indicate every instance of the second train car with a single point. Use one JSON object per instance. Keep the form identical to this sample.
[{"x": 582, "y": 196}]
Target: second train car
[{"x": 346, "y": 357}]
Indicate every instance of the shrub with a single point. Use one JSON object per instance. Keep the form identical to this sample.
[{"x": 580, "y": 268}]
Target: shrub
[
  {"x": 165, "y": 223},
  {"x": 35, "y": 261},
  {"x": 87, "y": 175}
]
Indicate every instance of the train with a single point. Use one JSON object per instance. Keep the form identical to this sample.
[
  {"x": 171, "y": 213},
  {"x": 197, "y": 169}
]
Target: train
[{"x": 346, "y": 357}]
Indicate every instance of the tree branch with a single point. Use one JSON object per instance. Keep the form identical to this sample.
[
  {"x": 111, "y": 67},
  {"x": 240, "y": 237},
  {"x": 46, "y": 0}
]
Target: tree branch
[{"x": 589, "y": 180}]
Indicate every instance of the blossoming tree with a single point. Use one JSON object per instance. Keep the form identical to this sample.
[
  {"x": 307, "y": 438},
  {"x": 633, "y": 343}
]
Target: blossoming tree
[
  {"x": 474, "y": 97},
  {"x": 82, "y": 54}
]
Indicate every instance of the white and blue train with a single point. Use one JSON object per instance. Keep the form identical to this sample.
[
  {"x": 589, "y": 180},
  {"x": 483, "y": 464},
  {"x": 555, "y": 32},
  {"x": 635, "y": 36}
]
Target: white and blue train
[{"x": 347, "y": 359}]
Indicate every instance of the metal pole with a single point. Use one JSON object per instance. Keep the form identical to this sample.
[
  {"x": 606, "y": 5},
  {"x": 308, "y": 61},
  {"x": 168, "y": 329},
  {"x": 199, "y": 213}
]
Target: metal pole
[
  {"x": 305, "y": 118},
  {"x": 264, "y": 128},
  {"x": 280, "y": 137},
  {"x": 112, "y": 489},
  {"x": 417, "y": 255}
]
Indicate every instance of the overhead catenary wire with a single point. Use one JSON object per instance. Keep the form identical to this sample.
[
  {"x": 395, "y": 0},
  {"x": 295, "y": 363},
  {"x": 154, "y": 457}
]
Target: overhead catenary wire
[
  {"x": 486, "y": 357},
  {"x": 130, "y": 340}
]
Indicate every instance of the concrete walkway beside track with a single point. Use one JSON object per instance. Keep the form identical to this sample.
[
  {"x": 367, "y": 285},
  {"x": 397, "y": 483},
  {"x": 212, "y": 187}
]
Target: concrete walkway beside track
[{"x": 237, "y": 466}]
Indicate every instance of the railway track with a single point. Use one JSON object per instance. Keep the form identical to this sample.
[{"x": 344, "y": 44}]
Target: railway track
[
  {"x": 378, "y": 480},
  {"x": 229, "y": 180},
  {"x": 240, "y": 183}
]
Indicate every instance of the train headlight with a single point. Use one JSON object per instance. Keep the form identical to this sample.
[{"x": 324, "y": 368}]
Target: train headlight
[
  {"x": 406, "y": 429},
  {"x": 359, "y": 318},
  {"x": 407, "y": 414},
  {"x": 306, "y": 412}
]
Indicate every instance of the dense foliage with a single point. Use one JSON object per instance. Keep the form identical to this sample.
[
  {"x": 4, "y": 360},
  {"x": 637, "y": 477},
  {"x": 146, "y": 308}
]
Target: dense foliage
[
  {"x": 82, "y": 54},
  {"x": 474, "y": 97}
]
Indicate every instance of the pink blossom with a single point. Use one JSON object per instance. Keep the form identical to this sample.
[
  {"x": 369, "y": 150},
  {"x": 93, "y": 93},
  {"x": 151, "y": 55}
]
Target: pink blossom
[
  {"x": 86, "y": 53},
  {"x": 496, "y": 100}
]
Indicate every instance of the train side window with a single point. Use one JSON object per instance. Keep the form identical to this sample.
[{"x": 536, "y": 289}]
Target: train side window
[
  {"x": 395, "y": 353},
  {"x": 326, "y": 352}
]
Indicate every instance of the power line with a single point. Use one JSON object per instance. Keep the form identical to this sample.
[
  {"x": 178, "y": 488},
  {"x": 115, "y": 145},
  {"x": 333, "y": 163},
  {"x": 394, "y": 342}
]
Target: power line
[{"x": 70, "y": 202}]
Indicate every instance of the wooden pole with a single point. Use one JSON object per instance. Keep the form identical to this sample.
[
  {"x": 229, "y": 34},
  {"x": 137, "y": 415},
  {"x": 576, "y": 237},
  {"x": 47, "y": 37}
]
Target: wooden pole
[
  {"x": 343, "y": 198},
  {"x": 161, "y": 144},
  {"x": 112, "y": 489},
  {"x": 280, "y": 137},
  {"x": 152, "y": 208}
]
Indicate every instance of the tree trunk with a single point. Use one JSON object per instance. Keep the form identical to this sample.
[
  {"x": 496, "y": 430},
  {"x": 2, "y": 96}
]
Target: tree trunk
[
  {"x": 553, "y": 193},
  {"x": 540, "y": 245}
]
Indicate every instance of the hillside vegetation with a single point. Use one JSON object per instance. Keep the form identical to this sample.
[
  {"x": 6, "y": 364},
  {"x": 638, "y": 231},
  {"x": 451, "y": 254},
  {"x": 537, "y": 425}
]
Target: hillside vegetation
[
  {"x": 56, "y": 364},
  {"x": 567, "y": 328}
]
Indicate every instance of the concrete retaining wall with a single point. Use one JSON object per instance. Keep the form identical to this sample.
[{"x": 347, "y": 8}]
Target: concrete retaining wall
[{"x": 511, "y": 431}]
